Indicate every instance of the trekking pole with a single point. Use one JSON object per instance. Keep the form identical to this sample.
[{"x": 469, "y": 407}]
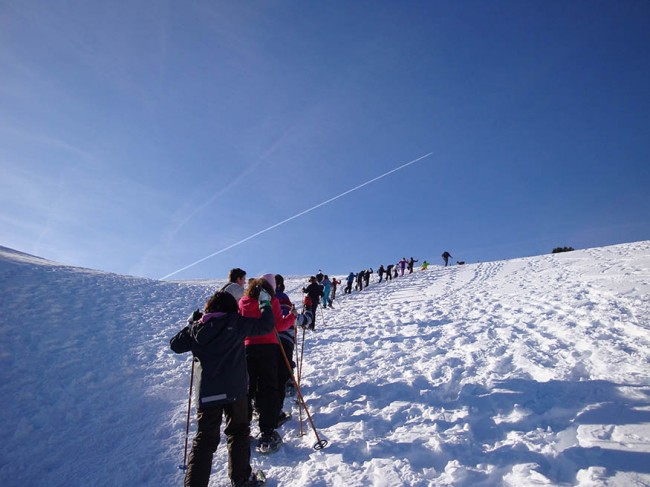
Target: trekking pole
[
  {"x": 322, "y": 316},
  {"x": 302, "y": 353},
  {"x": 187, "y": 427},
  {"x": 320, "y": 444},
  {"x": 295, "y": 341},
  {"x": 299, "y": 367}
]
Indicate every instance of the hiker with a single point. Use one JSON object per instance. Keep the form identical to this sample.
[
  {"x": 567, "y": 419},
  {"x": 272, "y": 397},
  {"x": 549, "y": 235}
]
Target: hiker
[
  {"x": 314, "y": 293},
  {"x": 410, "y": 264},
  {"x": 287, "y": 340},
  {"x": 221, "y": 383},
  {"x": 445, "y": 257},
  {"x": 262, "y": 354},
  {"x": 424, "y": 265},
  {"x": 236, "y": 281},
  {"x": 395, "y": 270},
  {"x": 327, "y": 288},
  {"x": 335, "y": 283},
  {"x": 360, "y": 277},
  {"x": 389, "y": 272},
  {"x": 380, "y": 272},
  {"x": 366, "y": 276},
  {"x": 350, "y": 280},
  {"x": 402, "y": 265}
]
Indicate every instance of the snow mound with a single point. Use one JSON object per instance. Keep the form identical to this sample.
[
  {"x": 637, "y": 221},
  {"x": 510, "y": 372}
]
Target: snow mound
[{"x": 531, "y": 371}]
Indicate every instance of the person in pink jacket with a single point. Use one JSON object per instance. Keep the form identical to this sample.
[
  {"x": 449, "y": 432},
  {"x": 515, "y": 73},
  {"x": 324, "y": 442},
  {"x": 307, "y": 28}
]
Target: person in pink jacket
[{"x": 263, "y": 361}]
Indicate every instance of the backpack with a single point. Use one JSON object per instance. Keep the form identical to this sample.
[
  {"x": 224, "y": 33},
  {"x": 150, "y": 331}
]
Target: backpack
[{"x": 306, "y": 301}]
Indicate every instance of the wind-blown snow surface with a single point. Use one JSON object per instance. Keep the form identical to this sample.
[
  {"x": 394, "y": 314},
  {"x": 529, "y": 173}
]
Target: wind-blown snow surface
[{"x": 532, "y": 371}]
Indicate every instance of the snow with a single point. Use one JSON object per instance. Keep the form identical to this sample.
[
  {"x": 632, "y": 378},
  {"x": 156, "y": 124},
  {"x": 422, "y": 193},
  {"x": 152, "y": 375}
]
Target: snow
[{"x": 533, "y": 371}]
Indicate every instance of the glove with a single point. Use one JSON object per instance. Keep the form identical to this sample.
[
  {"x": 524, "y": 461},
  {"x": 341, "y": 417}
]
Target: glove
[
  {"x": 264, "y": 299},
  {"x": 195, "y": 316}
]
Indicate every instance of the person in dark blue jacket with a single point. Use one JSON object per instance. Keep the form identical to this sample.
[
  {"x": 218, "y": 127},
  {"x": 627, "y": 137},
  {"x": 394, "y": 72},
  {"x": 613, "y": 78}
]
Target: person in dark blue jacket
[
  {"x": 350, "y": 281},
  {"x": 216, "y": 339}
]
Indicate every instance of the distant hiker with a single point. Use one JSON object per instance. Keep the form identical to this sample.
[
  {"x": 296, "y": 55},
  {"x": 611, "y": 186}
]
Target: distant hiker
[
  {"x": 319, "y": 276},
  {"x": 216, "y": 339},
  {"x": 236, "y": 282},
  {"x": 380, "y": 272},
  {"x": 314, "y": 293},
  {"x": 360, "y": 277},
  {"x": 327, "y": 288},
  {"x": 424, "y": 265},
  {"x": 445, "y": 257},
  {"x": 389, "y": 272},
  {"x": 395, "y": 270},
  {"x": 350, "y": 280},
  {"x": 366, "y": 276},
  {"x": 335, "y": 283},
  {"x": 410, "y": 264},
  {"x": 402, "y": 265},
  {"x": 262, "y": 354}
]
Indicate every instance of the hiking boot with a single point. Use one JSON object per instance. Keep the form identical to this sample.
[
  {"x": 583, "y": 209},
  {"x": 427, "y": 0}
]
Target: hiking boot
[
  {"x": 253, "y": 481},
  {"x": 269, "y": 442}
]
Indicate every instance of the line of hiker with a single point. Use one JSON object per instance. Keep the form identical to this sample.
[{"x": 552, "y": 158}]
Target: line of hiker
[{"x": 242, "y": 345}]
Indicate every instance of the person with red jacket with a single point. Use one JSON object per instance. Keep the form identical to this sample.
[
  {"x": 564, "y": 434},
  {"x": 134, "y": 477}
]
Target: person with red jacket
[{"x": 262, "y": 357}]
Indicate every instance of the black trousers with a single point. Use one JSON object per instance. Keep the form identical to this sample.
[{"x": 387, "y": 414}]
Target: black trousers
[
  {"x": 313, "y": 308},
  {"x": 205, "y": 443},
  {"x": 262, "y": 361},
  {"x": 283, "y": 371}
]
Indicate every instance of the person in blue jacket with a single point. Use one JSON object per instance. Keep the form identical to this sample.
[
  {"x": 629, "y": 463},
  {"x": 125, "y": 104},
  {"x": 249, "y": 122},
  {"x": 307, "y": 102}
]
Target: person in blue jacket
[
  {"x": 327, "y": 288},
  {"x": 350, "y": 281}
]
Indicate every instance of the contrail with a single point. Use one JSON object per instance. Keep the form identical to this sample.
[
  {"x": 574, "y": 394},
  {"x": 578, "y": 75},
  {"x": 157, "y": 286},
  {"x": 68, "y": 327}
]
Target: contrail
[{"x": 304, "y": 212}]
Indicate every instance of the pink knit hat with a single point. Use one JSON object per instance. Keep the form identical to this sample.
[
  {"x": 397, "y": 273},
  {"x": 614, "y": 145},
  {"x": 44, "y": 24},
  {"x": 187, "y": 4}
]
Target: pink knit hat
[{"x": 270, "y": 278}]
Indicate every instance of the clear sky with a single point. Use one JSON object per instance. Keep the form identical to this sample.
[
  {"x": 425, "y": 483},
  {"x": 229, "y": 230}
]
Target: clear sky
[{"x": 142, "y": 136}]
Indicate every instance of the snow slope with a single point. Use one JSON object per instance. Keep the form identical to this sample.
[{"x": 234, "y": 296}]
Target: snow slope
[{"x": 532, "y": 371}]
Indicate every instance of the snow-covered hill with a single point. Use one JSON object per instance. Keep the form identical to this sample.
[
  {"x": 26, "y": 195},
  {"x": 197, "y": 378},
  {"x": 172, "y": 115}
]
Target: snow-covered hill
[{"x": 532, "y": 371}]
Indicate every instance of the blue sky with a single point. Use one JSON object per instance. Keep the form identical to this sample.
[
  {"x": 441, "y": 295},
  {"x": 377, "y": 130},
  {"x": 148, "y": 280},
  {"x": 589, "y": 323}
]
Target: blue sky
[{"x": 140, "y": 137}]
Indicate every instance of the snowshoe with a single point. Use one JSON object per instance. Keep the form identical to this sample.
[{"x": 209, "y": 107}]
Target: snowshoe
[
  {"x": 269, "y": 443},
  {"x": 257, "y": 479}
]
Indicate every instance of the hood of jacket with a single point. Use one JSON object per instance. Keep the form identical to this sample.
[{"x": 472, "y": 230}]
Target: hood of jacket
[{"x": 209, "y": 327}]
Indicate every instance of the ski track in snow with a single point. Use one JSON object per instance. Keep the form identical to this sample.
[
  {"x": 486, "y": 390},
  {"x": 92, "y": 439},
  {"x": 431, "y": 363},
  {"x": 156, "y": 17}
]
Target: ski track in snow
[{"x": 533, "y": 371}]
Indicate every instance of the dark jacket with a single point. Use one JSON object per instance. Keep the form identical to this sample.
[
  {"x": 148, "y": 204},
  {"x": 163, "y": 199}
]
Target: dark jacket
[
  {"x": 366, "y": 275},
  {"x": 314, "y": 291},
  {"x": 217, "y": 343}
]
